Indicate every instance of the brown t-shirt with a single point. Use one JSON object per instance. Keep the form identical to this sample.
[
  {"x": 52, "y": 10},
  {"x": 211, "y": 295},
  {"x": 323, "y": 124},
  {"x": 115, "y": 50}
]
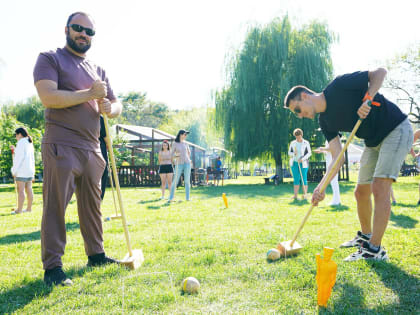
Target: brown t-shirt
[{"x": 77, "y": 126}]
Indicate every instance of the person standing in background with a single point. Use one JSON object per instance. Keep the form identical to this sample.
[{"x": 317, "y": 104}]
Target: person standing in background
[
  {"x": 23, "y": 169},
  {"x": 334, "y": 182},
  {"x": 181, "y": 155},
  {"x": 300, "y": 152},
  {"x": 166, "y": 170}
]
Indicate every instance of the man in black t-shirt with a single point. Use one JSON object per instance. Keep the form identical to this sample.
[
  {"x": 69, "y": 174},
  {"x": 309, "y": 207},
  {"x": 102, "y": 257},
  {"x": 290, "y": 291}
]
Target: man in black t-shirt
[{"x": 388, "y": 138}]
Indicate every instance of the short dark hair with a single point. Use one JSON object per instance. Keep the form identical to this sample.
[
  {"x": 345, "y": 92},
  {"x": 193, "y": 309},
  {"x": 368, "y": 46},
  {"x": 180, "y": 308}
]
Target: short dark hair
[
  {"x": 76, "y": 13},
  {"x": 294, "y": 94}
]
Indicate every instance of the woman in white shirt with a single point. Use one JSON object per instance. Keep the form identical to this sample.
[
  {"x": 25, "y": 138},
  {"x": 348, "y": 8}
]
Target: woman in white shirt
[
  {"x": 23, "y": 169},
  {"x": 181, "y": 156},
  {"x": 300, "y": 152}
]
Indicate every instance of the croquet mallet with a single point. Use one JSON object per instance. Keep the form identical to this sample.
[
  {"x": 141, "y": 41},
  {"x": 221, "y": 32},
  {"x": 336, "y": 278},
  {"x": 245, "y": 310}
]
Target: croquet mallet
[
  {"x": 116, "y": 216},
  {"x": 134, "y": 258},
  {"x": 292, "y": 247}
]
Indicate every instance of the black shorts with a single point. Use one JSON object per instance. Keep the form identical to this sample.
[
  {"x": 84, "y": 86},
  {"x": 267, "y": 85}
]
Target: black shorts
[{"x": 166, "y": 169}]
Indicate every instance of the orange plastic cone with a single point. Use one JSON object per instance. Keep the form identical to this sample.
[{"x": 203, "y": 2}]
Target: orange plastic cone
[{"x": 325, "y": 275}]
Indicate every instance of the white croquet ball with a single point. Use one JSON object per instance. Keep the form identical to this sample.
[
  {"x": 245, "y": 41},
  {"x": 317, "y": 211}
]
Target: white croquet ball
[
  {"x": 190, "y": 285},
  {"x": 273, "y": 254}
]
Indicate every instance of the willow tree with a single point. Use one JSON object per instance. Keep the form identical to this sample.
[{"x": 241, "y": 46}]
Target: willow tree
[{"x": 250, "y": 107}]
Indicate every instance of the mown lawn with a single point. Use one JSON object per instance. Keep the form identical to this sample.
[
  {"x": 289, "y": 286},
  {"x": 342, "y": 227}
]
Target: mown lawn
[{"x": 225, "y": 249}]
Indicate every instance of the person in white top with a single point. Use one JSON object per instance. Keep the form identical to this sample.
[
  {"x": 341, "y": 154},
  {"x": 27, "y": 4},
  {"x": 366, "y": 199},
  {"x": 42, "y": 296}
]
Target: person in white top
[
  {"x": 23, "y": 169},
  {"x": 181, "y": 156},
  {"x": 299, "y": 152},
  {"x": 166, "y": 170},
  {"x": 334, "y": 182}
]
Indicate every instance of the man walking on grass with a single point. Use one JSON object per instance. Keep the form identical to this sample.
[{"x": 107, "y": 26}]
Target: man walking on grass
[
  {"x": 74, "y": 92},
  {"x": 388, "y": 138}
]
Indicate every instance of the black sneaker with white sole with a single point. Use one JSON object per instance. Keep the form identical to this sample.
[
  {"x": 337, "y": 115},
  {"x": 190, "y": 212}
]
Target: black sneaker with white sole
[
  {"x": 365, "y": 252},
  {"x": 357, "y": 241},
  {"x": 100, "y": 260},
  {"x": 56, "y": 276}
]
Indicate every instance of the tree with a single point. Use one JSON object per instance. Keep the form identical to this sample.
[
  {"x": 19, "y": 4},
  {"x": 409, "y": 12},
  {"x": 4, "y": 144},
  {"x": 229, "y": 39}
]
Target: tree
[
  {"x": 403, "y": 79},
  {"x": 272, "y": 60},
  {"x": 140, "y": 111},
  {"x": 30, "y": 112}
]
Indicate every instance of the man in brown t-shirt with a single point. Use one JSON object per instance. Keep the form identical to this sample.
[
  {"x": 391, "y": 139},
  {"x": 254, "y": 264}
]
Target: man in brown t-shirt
[{"x": 74, "y": 92}]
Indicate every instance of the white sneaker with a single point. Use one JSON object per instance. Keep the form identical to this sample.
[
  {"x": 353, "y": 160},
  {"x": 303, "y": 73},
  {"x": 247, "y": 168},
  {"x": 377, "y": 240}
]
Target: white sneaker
[
  {"x": 357, "y": 241},
  {"x": 365, "y": 252}
]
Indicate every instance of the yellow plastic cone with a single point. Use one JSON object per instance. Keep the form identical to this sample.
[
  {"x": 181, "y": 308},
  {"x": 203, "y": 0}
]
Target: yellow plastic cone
[
  {"x": 225, "y": 200},
  {"x": 325, "y": 275}
]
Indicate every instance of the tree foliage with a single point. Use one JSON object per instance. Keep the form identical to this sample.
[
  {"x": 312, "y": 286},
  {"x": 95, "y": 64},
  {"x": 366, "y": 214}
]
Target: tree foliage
[
  {"x": 273, "y": 59},
  {"x": 140, "y": 111},
  {"x": 30, "y": 112}
]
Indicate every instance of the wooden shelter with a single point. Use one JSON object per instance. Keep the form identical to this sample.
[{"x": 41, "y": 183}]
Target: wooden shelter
[{"x": 148, "y": 140}]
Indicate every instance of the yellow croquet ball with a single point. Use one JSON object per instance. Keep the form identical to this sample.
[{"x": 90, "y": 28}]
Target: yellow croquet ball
[
  {"x": 190, "y": 285},
  {"x": 273, "y": 254}
]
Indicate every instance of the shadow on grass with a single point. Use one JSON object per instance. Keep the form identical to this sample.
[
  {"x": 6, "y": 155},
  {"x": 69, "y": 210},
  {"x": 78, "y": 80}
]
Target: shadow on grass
[
  {"x": 148, "y": 201},
  {"x": 407, "y": 205},
  {"x": 403, "y": 220},
  {"x": 338, "y": 208},
  {"x": 22, "y": 294},
  {"x": 33, "y": 236},
  {"x": 257, "y": 190},
  {"x": 350, "y": 300},
  {"x": 405, "y": 286}
]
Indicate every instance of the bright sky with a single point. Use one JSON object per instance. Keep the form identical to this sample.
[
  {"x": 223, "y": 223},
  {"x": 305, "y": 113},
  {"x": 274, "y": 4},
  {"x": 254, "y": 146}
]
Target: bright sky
[{"x": 175, "y": 50}]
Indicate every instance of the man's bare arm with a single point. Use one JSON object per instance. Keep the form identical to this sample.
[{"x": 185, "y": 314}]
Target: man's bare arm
[{"x": 52, "y": 97}]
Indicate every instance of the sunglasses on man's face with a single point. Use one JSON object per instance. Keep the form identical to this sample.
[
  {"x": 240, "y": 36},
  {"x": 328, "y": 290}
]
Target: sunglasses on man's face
[{"x": 78, "y": 28}]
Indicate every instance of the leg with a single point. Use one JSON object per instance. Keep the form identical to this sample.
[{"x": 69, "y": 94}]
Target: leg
[
  {"x": 393, "y": 151},
  {"x": 58, "y": 188},
  {"x": 29, "y": 195},
  {"x": 187, "y": 182},
  {"x": 296, "y": 179},
  {"x": 336, "y": 191},
  {"x": 363, "y": 189},
  {"x": 178, "y": 169},
  {"x": 88, "y": 192},
  {"x": 169, "y": 177},
  {"x": 364, "y": 207},
  {"x": 305, "y": 180},
  {"x": 21, "y": 195},
  {"x": 163, "y": 184},
  {"x": 381, "y": 188}
]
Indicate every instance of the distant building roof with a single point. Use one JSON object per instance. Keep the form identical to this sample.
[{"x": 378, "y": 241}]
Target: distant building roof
[{"x": 134, "y": 133}]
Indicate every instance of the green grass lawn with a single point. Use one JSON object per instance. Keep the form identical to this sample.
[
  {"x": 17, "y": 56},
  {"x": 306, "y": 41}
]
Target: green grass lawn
[{"x": 225, "y": 249}]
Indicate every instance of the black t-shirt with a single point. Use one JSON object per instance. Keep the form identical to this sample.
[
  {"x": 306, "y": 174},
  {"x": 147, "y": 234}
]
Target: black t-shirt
[
  {"x": 102, "y": 136},
  {"x": 344, "y": 95}
]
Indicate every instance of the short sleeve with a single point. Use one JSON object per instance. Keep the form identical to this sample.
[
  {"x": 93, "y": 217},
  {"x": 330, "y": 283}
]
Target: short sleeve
[
  {"x": 354, "y": 81},
  {"x": 46, "y": 68},
  {"x": 329, "y": 135}
]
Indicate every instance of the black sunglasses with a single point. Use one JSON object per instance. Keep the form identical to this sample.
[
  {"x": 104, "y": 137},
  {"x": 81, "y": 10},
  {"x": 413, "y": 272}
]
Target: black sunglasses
[{"x": 79, "y": 28}]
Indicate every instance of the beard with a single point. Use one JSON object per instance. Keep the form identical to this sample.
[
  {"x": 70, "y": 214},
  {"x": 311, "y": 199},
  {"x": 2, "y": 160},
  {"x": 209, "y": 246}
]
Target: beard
[{"x": 76, "y": 47}]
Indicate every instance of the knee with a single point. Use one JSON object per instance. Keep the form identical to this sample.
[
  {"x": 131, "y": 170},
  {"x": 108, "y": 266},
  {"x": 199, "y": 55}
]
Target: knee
[{"x": 361, "y": 192}]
